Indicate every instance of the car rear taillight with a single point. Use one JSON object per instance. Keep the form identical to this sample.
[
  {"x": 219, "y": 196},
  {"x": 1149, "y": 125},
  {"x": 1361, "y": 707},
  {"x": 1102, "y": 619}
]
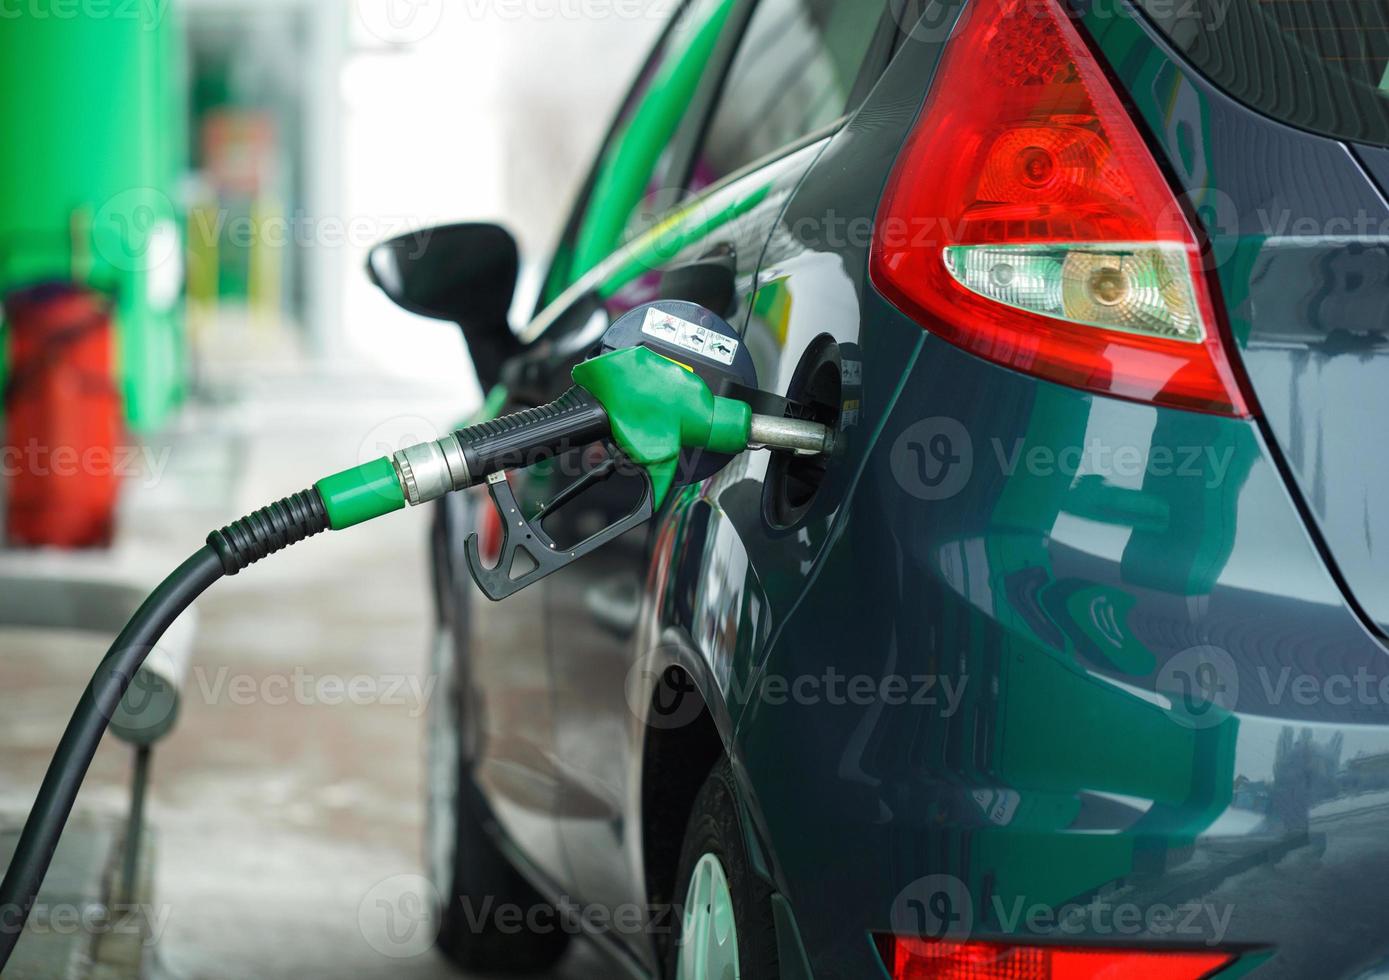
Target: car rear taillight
[
  {"x": 1027, "y": 222},
  {"x": 909, "y": 958}
]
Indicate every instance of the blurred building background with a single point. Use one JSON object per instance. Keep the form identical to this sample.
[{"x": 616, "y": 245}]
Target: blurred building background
[
  {"x": 219, "y": 164},
  {"x": 217, "y": 170}
]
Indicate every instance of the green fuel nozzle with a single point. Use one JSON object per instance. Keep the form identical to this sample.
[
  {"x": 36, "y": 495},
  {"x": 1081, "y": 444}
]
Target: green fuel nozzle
[
  {"x": 658, "y": 408},
  {"x": 651, "y": 407}
]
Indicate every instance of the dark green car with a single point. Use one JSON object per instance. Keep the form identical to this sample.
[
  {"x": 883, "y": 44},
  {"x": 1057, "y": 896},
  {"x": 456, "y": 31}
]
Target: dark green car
[{"x": 1071, "y": 660}]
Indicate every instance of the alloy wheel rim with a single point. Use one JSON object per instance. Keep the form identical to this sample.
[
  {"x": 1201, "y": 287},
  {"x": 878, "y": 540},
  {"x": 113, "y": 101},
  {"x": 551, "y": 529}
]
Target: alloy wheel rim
[{"x": 709, "y": 934}]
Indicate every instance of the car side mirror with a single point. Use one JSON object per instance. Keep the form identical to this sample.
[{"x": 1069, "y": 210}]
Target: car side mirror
[{"x": 465, "y": 273}]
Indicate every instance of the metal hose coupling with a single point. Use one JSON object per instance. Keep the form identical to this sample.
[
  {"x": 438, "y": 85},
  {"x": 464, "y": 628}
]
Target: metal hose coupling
[
  {"x": 428, "y": 471},
  {"x": 520, "y": 439},
  {"x": 431, "y": 469}
]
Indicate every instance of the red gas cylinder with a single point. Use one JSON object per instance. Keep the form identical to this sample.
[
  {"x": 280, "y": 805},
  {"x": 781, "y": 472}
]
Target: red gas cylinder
[{"x": 62, "y": 418}]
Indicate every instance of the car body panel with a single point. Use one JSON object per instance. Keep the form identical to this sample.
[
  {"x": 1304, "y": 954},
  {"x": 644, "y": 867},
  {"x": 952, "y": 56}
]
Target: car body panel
[
  {"x": 1299, "y": 240},
  {"x": 506, "y": 685},
  {"x": 1124, "y": 666},
  {"x": 1062, "y": 771},
  {"x": 1068, "y": 607}
]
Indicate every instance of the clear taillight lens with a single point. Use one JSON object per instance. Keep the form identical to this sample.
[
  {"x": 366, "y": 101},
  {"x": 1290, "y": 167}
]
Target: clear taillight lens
[{"x": 1142, "y": 288}]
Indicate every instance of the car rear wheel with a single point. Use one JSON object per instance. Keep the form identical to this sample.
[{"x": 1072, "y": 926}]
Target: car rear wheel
[
  {"x": 475, "y": 883},
  {"x": 725, "y": 931}
]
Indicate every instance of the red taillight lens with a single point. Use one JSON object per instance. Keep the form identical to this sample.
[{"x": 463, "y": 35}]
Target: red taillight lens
[
  {"x": 1027, "y": 222},
  {"x": 925, "y": 959}
]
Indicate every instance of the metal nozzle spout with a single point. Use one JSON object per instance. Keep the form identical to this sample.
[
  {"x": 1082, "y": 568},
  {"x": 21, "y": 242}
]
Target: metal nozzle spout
[{"x": 772, "y": 432}]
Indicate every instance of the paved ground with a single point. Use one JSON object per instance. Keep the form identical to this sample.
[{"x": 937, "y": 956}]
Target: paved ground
[{"x": 287, "y": 802}]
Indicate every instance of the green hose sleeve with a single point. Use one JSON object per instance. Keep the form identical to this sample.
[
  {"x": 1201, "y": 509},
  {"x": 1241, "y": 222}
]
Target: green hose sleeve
[{"x": 361, "y": 493}]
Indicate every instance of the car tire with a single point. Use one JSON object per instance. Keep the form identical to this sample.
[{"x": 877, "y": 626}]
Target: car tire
[
  {"x": 472, "y": 878},
  {"x": 715, "y": 871}
]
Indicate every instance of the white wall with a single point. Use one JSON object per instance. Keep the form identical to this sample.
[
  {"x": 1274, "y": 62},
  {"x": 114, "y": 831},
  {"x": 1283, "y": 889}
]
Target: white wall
[{"x": 471, "y": 109}]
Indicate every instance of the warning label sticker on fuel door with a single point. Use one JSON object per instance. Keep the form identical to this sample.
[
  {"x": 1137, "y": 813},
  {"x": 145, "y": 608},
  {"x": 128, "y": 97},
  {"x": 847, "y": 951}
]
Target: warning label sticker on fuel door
[{"x": 691, "y": 336}]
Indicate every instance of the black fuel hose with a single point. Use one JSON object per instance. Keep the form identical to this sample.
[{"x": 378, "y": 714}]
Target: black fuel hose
[{"x": 227, "y": 551}]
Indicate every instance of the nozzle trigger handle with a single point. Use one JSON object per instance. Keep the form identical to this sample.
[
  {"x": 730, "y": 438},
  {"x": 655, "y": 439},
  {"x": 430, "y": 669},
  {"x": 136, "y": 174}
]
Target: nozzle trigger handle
[{"x": 528, "y": 554}]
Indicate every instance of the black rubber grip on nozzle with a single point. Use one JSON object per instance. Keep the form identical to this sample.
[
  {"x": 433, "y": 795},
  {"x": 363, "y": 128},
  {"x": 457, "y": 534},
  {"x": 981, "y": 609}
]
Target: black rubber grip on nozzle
[
  {"x": 523, "y": 438},
  {"x": 268, "y": 530}
]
